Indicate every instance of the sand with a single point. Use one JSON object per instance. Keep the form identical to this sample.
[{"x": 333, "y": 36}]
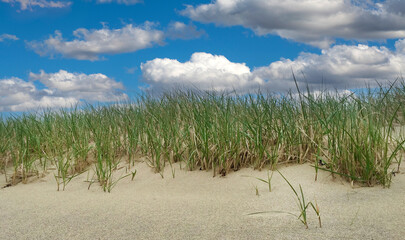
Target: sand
[{"x": 194, "y": 205}]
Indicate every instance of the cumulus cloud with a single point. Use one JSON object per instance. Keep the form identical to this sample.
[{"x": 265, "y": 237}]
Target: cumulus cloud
[
  {"x": 92, "y": 87},
  {"x": 340, "y": 67},
  {"x": 126, "y": 2},
  {"x": 317, "y": 23},
  {"x": 62, "y": 89},
  {"x": 29, "y": 4},
  {"x": 90, "y": 44},
  {"x": 400, "y": 46},
  {"x": 204, "y": 71},
  {"x": 19, "y": 95},
  {"x": 179, "y": 30},
  {"x": 6, "y": 36}
]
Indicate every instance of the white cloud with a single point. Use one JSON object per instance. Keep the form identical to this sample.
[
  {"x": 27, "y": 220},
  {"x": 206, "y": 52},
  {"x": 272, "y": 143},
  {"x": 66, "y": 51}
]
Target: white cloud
[
  {"x": 400, "y": 46},
  {"x": 204, "y": 71},
  {"x": 19, "y": 95},
  {"x": 340, "y": 67},
  {"x": 92, "y": 87},
  {"x": 126, "y": 2},
  {"x": 29, "y": 4},
  {"x": 6, "y": 36},
  {"x": 62, "y": 89},
  {"x": 89, "y": 44},
  {"x": 317, "y": 94},
  {"x": 179, "y": 30},
  {"x": 315, "y": 22}
]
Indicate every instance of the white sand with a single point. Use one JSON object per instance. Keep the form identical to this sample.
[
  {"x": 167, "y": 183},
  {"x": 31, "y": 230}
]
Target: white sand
[{"x": 194, "y": 205}]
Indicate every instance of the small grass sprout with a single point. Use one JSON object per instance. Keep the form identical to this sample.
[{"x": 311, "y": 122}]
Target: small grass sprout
[
  {"x": 268, "y": 181},
  {"x": 302, "y": 204}
]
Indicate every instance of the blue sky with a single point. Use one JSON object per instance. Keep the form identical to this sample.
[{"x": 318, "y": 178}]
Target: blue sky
[{"x": 58, "y": 53}]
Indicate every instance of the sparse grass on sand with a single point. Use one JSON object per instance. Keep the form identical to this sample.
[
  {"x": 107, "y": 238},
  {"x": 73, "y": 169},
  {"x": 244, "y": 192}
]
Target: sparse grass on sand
[{"x": 351, "y": 135}]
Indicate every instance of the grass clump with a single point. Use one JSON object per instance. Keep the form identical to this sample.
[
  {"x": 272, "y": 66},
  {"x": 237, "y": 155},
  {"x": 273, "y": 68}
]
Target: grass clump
[
  {"x": 303, "y": 205},
  {"x": 350, "y": 134}
]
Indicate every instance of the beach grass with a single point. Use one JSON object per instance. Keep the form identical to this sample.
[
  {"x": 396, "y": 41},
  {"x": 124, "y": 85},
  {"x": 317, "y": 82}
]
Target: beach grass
[
  {"x": 351, "y": 135},
  {"x": 302, "y": 204}
]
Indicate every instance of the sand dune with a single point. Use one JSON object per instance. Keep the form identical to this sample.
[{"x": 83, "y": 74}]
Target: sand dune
[{"x": 194, "y": 205}]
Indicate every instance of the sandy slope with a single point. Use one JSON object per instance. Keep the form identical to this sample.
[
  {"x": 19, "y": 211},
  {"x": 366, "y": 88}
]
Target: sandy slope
[{"x": 194, "y": 205}]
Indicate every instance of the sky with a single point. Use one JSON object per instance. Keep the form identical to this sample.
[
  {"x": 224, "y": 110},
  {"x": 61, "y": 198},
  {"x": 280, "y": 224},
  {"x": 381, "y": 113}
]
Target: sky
[{"x": 60, "y": 53}]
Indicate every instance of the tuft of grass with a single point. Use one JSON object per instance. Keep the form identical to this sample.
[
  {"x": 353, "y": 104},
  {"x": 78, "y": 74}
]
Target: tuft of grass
[
  {"x": 302, "y": 204},
  {"x": 268, "y": 181},
  {"x": 351, "y": 135}
]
